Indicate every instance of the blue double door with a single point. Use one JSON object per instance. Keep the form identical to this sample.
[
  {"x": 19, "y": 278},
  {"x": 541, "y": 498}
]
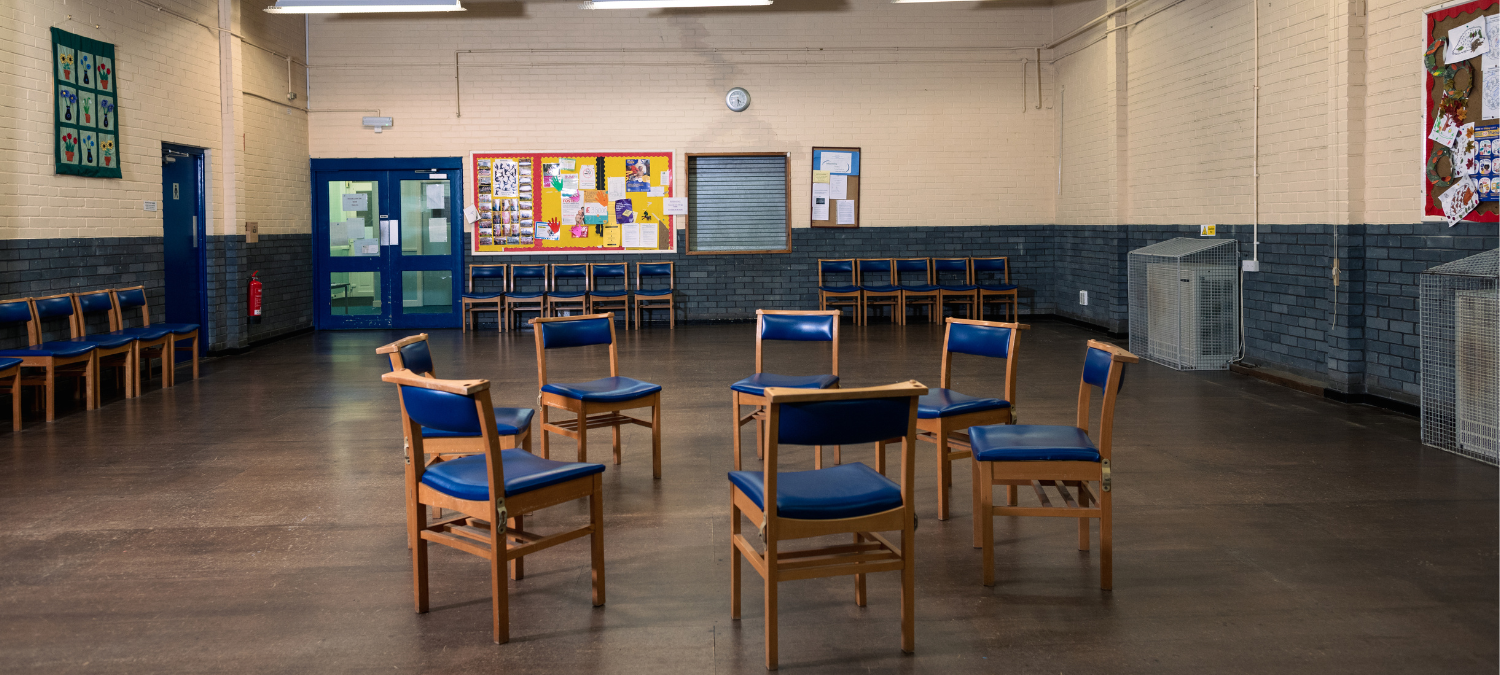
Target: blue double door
[{"x": 388, "y": 243}]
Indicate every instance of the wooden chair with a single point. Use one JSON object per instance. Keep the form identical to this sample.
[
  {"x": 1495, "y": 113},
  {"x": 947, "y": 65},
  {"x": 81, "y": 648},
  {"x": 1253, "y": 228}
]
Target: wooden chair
[
  {"x": 488, "y": 520},
  {"x": 849, "y": 499},
  {"x": 577, "y": 295},
  {"x": 605, "y": 299},
  {"x": 597, "y": 403},
  {"x": 57, "y": 358},
  {"x": 879, "y": 292},
  {"x": 182, "y": 333},
  {"x": 512, "y": 424},
  {"x": 944, "y": 416},
  {"x": 787, "y": 325},
  {"x": 10, "y": 383},
  {"x": 1060, "y": 457},
  {"x": 831, "y": 294},
  {"x": 485, "y": 301},
  {"x": 151, "y": 342},
  {"x": 957, "y": 289},
  {"x": 921, "y": 293},
  {"x": 654, "y": 298},
  {"x": 996, "y": 291},
  {"x": 113, "y": 349},
  {"x": 518, "y": 300}
]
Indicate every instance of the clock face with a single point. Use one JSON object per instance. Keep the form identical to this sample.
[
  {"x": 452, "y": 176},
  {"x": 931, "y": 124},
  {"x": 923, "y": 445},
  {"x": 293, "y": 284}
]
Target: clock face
[{"x": 738, "y": 99}]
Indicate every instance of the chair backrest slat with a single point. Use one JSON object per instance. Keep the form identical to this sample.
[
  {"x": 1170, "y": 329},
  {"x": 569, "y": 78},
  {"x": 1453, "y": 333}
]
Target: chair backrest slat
[
  {"x": 999, "y": 265},
  {"x": 417, "y": 358},
  {"x": 563, "y": 334},
  {"x": 952, "y": 266},
  {"x": 839, "y": 267},
  {"x": 441, "y": 410},
  {"x": 990, "y": 339},
  {"x": 1103, "y": 367},
  {"x": 611, "y": 272},
  {"x": 481, "y": 271},
  {"x": 842, "y": 422},
  {"x": 797, "y": 326},
  {"x": 914, "y": 266},
  {"x": 533, "y": 274}
]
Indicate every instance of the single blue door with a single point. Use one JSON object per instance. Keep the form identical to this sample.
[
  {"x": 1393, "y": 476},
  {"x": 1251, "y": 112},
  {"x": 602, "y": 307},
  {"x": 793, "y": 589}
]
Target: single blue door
[{"x": 182, "y": 233}]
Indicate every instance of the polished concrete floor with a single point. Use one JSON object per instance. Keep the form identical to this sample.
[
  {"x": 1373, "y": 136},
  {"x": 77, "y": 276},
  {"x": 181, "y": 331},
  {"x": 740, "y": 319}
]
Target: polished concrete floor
[{"x": 251, "y": 521}]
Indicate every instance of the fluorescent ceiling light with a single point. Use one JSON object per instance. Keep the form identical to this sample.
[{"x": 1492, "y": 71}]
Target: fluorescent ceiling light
[
  {"x": 667, "y": 4},
  {"x": 362, "y": 6},
  {"x": 903, "y": 2}
]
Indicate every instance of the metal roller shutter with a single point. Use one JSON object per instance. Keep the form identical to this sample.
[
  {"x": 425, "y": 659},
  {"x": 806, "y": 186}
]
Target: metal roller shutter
[{"x": 737, "y": 203}]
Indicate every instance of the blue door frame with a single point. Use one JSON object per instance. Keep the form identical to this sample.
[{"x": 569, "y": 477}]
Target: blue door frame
[
  {"x": 390, "y": 263},
  {"x": 184, "y": 234}
]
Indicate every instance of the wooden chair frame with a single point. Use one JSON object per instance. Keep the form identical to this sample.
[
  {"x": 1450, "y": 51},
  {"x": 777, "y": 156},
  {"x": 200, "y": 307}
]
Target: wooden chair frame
[
  {"x": 640, "y": 302},
  {"x": 128, "y": 355},
  {"x": 172, "y": 344},
  {"x": 758, "y": 415},
  {"x": 1009, "y": 298},
  {"x": 597, "y": 304},
  {"x": 968, "y": 299},
  {"x": 871, "y": 552},
  {"x": 1060, "y": 475},
  {"x": 471, "y": 306},
  {"x": 514, "y": 306},
  {"x": 851, "y": 298},
  {"x": 910, "y": 298},
  {"x": 449, "y": 448},
  {"x": 10, "y": 382},
  {"x": 145, "y": 350},
  {"x": 869, "y": 298},
  {"x": 85, "y": 366},
  {"x": 580, "y": 303},
  {"x": 593, "y": 414},
  {"x": 491, "y": 529}
]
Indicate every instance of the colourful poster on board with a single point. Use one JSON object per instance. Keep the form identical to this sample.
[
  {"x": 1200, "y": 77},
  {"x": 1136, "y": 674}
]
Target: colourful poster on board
[{"x": 85, "y": 117}]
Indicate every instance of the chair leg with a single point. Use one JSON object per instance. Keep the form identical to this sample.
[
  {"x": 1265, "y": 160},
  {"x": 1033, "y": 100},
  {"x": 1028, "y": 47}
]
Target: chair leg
[
  {"x": 416, "y": 521},
  {"x": 771, "y": 585},
  {"x": 656, "y": 437},
  {"x": 734, "y": 558},
  {"x": 908, "y": 585},
  {"x": 1011, "y": 496},
  {"x": 734, "y": 422},
  {"x": 838, "y": 455},
  {"x": 517, "y": 565},
  {"x": 50, "y": 390},
  {"x": 880, "y": 457},
  {"x": 195, "y": 357},
  {"x": 817, "y": 457},
  {"x": 974, "y": 472},
  {"x": 760, "y": 428},
  {"x": 1083, "y": 523},
  {"x": 525, "y": 439},
  {"x": 944, "y": 472},
  {"x": 546, "y": 435},
  {"x": 615, "y": 440},
  {"x": 1106, "y": 543},
  {"x": 859, "y": 579},
  {"x": 672, "y": 314},
  {"x": 596, "y": 538},
  {"x": 91, "y": 383},
  {"x": 499, "y": 589},
  {"x": 583, "y": 437},
  {"x": 986, "y": 516}
]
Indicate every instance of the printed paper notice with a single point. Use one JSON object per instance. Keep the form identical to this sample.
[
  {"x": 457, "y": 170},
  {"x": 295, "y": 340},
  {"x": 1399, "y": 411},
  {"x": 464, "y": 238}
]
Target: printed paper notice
[
  {"x": 632, "y": 235},
  {"x": 337, "y": 235},
  {"x": 568, "y": 163},
  {"x": 846, "y": 211},
  {"x": 570, "y": 183},
  {"x": 656, "y": 191},
  {"x": 666, "y": 178},
  {"x": 1491, "y": 90},
  {"x": 616, "y": 188},
  {"x": 356, "y": 201},
  {"x": 837, "y": 162},
  {"x": 587, "y": 178},
  {"x": 675, "y": 206},
  {"x": 437, "y": 230},
  {"x": 437, "y": 196},
  {"x": 820, "y": 176},
  {"x": 820, "y": 201},
  {"x": 611, "y": 236},
  {"x": 366, "y": 247},
  {"x": 471, "y": 214},
  {"x": 838, "y": 187},
  {"x": 1492, "y": 31}
]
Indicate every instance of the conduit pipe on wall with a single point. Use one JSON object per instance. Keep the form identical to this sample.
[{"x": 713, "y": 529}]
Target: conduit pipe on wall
[
  {"x": 1255, "y": 150},
  {"x": 1101, "y": 19}
]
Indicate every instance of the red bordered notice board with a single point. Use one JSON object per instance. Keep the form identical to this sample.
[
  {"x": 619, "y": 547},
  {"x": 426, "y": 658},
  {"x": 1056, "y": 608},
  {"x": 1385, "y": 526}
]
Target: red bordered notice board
[
  {"x": 1437, "y": 167},
  {"x": 571, "y": 203}
]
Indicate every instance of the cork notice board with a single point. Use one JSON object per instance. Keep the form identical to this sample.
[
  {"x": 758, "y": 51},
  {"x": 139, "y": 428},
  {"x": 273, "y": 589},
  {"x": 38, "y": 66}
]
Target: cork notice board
[
  {"x": 1438, "y": 25},
  {"x": 835, "y": 180}
]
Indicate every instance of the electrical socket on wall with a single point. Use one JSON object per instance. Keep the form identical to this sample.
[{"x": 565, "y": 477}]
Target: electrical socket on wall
[{"x": 1083, "y": 297}]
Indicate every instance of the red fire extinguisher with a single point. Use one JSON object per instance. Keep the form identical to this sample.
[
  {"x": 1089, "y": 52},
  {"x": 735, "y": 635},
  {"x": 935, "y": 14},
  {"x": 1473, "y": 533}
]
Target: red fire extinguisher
[{"x": 254, "y": 297}]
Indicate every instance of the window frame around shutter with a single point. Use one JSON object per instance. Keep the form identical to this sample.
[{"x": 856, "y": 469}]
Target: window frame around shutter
[{"x": 690, "y": 175}]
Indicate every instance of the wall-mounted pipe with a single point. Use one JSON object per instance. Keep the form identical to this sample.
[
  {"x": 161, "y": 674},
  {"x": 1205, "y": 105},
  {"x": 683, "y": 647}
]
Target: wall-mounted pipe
[{"x": 1100, "y": 19}]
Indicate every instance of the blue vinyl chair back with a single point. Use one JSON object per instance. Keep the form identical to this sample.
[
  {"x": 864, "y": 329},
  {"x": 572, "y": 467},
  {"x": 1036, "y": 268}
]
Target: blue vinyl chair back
[
  {"x": 953, "y": 267},
  {"x": 573, "y": 273},
  {"x": 797, "y": 327},
  {"x": 51, "y": 308},
  {"x": 489, "y": 272},
  {"x": 846, "y": 422},
  {"x": 15, "y": 311},
  {"x": 991, "y": 341},
  {"x": 534, "y": 275},
  {"x": 610, "y": 272},
  {"x": 841, "y": 271},
  {"x": 132, "y": 298},
  {"x": 417, "y": 358},
  {"x": 1096, "y": 368},
  {"x": 580, "y": 333},
  {"x": 918, "y": 272},
  {"x": 91, "y": 303},
  {"x": 441, "y": 410},
  {"x": 881, "y": 270},
  {"x": 660, "y": 269},
  {"x": 994, "y": 267}
]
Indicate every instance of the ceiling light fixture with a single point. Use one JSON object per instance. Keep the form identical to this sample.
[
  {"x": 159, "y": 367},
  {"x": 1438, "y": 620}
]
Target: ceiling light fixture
[
  {"x": 362, "y": 6},
  {"x": 670, "y": 4}
]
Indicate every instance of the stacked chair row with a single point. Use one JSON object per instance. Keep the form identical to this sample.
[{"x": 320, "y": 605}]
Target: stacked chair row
[
  {"x": 550, "y": 290},
  {"x": 863, "y": 284},
  {"x": 115, "y": 345}
]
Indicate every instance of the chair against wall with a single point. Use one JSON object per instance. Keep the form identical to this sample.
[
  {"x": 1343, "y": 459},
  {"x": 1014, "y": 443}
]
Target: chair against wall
[
  {"x": 849, "y": 499},
  {"x": 57, "y": 358},
  {"x": 152, "y": 343},
  {"x": 655, "y": 297},
  {"x": 1059, "y": 457},
  {"x": 10, "y": 383},
  {"x": 491, "y": 491},
  {"x": 992, "y": 279},
  {"x": 532, "y": 298},
  {"x": 955, "y": 281},
  {"x": 615, "y": 293},
  {"x": 838, "y": 287},
  {"x": 184, "y": 335},
  {"x": 877, "y": 285},
  {"x": 914, "y": 277},
  {"x": 477, "y": 300},
  {"x": 784, "y": 325},
  {"x": 118, "y": 353},
  {"x": 597, "y": 403},
  {"x": 575, "y": 296},
  {"x": 117, "y": 347}
]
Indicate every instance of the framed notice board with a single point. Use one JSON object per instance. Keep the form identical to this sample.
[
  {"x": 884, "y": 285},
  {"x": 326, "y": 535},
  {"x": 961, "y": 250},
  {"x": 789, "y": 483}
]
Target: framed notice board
[
  {"x": 835, "y": 187},
  {"x": 1465, "y": 93},
  {"x": 571, "y": 203}
]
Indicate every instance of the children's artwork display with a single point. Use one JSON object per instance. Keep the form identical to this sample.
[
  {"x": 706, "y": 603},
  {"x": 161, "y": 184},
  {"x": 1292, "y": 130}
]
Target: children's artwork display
[
  {"x": 579, "y": 203},
  {"x": 1462, "y": 87},
  {"x": 86, "y": 120}
]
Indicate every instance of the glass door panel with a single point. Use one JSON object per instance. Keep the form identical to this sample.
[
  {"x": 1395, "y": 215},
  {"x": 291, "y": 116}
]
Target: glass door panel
[
  {"x": 355, "y": 291},
  {"x": 430, "y": 250}
]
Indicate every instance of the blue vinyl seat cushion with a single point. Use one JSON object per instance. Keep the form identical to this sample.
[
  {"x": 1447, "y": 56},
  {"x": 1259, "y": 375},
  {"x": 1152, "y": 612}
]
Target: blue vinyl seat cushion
[
  {"x": 152, "y": 332},
  {"x": 880, "y": 289},
  {"x": 756, "y": 384},
  {"x": 60, "y": 349},
  {"x": 567, "y": 295},
  {"x": 839, "y": 289},
  {"x": 958, "y": 287},
  {"x": 920, "y": 288},
  {"x": 654, "y": 292},
  {"x": 524, "y": 296},
  {"x": 105, "y": 340},
  {"x": 178, "y": 328},
  {"x": 508, "y": 422},
  {"x": 468, "y": 477},
  {"x": 483, "y": 296},
  {"x": 843, "y": 491},
  {"x": 998, "y": 287},
  {"x": 609, "y": 294},
  {"x": 1032, "y": 443},
  {"x": 948, "y": 403},
  {"x": 7, "y": 364},
  {"x": 603, "y": 390}
]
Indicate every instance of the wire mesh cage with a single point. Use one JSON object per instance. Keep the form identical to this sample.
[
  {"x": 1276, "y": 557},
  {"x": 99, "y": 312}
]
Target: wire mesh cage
[
  {"x": 1461, "y": 357},
  {"x": 1185, "y": 302}
]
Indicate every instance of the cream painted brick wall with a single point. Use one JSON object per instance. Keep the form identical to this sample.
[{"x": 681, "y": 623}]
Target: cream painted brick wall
[
  {"x": 169, "y": 92},
  {"x": 1394, "y": 158},
  {"x": 925, "y": 90}
]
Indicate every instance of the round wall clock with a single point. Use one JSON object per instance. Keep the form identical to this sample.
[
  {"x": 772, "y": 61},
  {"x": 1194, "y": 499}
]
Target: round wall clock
[{"x": 737, "y": 99}]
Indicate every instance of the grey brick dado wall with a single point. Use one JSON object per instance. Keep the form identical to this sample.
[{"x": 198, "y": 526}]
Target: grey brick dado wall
[
  {"x": 36, "y": 267},
  {"x": 285, "y": 264}
]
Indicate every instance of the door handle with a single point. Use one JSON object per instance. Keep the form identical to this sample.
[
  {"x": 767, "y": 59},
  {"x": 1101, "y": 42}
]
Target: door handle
[{"x": 193, "y": 234}]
